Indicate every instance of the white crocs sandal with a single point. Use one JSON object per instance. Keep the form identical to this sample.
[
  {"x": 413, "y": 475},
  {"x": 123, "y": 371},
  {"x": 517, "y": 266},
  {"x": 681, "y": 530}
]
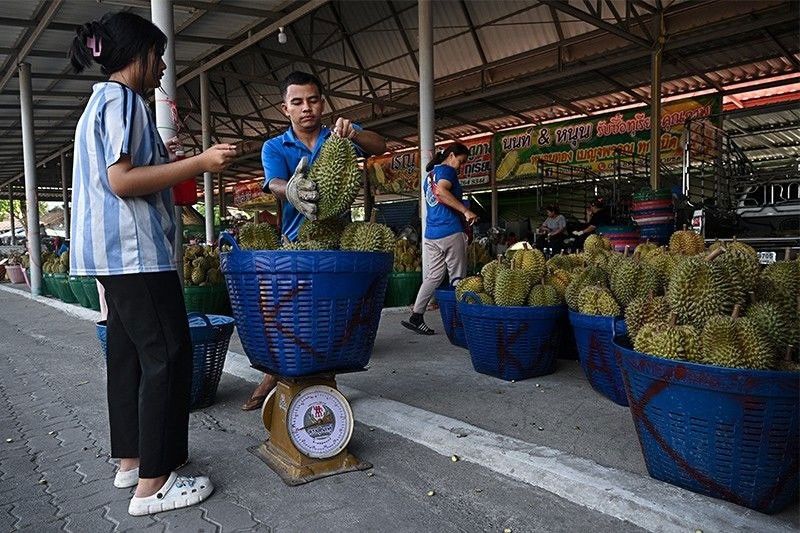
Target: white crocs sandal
[
  {"x": 126, "y": 479},
  {"x": 177, "y": 492}
]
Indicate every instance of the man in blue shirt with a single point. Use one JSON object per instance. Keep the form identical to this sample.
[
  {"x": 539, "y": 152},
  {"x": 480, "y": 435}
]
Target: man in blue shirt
[{"x": 287, "y": 157}]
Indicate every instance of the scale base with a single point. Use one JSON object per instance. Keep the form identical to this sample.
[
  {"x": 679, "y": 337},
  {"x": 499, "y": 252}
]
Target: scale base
[{"x": 294, "y": 474}]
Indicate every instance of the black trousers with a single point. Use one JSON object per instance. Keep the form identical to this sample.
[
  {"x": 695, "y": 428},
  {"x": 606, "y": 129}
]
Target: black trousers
[{"x": 149, "y": 370}]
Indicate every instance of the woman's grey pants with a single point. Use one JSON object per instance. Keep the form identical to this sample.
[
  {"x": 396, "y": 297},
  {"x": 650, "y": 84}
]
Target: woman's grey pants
[{"x": 448, "y": 254}]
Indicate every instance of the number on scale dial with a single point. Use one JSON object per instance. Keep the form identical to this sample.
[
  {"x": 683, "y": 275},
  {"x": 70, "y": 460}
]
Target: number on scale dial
[{"x": 320, "y": 422}]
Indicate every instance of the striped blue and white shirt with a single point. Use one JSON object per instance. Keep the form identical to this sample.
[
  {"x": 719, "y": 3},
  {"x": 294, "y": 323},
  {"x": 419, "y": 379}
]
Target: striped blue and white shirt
[{"x": 112, "y": 235}]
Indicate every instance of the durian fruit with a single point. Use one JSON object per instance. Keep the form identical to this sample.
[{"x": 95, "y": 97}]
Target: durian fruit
[
  {"x": 201, "y": 266},
  {"x": 543, "y": 295},
  {"x": 470, "y": 284},
  {"x": 644, "y": 249},
  {"x": 407, "y": 257},
  {"x": 64, "y": 258},
  {"x": 596, "y": 243},
  {"x": 198, "y": 275},
  {"x": 477, "y": 256},
  {"x": 632, "y": 278},
  {"x": 697, "y": 290},
  {"x": 735, "y": 246},
  {"x": 643, "y": 310},
  {"x": 560, "y": 262},
  {"x": 668, "y": 340},
  {"x": 338, "y": 178},
  {"x": 735, "y": 342},
  {"x": 512, "y": 287},
  {"x": 214, "y": 276},
  {"x": 598, "y": 301},
  {"x": 367, "y": 237},
  {"x": 489, "y": 273},
  {"x": 584, "y": 278},
  {"x": 686, "y": 242},
  {"x": 307, "y": 246},
  {"x": 782, "y": 279},
  {"x": 484, "y": 298},
  {"x": 530, "y": 261},
  {"x": 773, "y": 325},
  {"x": 560, "y": 279},
  {"x": 254, "y": 236},
  {"x": 326, "y": 232}
]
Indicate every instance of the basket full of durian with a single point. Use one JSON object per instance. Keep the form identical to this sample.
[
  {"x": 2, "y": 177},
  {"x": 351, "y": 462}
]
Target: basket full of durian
[
  {"x": 312, "y": 305},
  {"x": 711, "y": 377},
  {"x": 406, "y": 276},
  {"x": 203, "y": 285},
  {"x": 58, "y": 280},
  {"x": 509, "y": 314}
]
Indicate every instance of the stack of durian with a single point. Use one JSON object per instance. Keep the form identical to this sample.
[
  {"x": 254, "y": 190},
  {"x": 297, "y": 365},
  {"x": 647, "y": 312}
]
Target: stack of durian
[
  {"x": 330, "y": 234},
  {"x": 53, "y": 264},
  {"x": 407, "y": 257},
  {"x": 201, "y": 266},
  {"x": 477, "y": 256},
  {"x": 714, "y": 306},
  {"x": 523, "y": 280}
]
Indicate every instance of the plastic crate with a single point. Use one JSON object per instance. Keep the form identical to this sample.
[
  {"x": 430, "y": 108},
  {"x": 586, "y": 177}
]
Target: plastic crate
[
  {"x": 211, "y": 335},
  {"x": 76, "y": 286},
  {"x": 305, "y": 312},
  {"x": 594, "y": 337},
  {"x": 725, "y": 432},
  {"x": 453, "y": 327},
  {"x": 90, "y": 288},
  {"x": 402, "y": 288},
  {"x": 510, "y": 343},
  {"x": 208, "y": 299}
]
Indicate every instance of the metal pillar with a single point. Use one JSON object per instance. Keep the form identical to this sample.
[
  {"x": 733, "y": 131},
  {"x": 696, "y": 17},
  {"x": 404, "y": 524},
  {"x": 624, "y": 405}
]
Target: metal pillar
[
  {"x": 221, "y": 196},
  {"x": 64, "y": 196},
  {"x": 161, "y": 13},
  {"x": 493, "y": 182},
  {"x": 11, "y": 214},
  {"x": 655, "y": 105},
  {"x": 208, "y": 179},
  {"x": 29, "y": 155},
  {"x": 426, "y": 116}
]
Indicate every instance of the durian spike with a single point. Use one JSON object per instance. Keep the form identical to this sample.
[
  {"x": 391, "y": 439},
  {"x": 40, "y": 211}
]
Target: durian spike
[
  {"x": 627, "y": 249},
  {"x": 736, "y": 310},
  {"x": 684, "y": 227},
  {"x": 673, "y": 319},
  {"x": 752, "y": 297},
  {"x": 563, "y": 251},
  {"x": 788, "y": 354},
  {"x": 716, "y": 253},
  {"x": 787, "y": 253}
]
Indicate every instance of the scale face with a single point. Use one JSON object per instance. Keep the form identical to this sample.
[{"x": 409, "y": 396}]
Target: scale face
[{"x": 320, "y": 422}]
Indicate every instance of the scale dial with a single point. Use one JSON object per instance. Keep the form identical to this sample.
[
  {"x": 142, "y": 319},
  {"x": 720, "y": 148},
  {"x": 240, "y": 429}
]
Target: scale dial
[{"x": 320, "y": 422}]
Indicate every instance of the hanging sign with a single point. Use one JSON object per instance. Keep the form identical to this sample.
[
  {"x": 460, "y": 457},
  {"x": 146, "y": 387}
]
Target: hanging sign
[
  {"x": 251, "y": 196},
  {"x": 593, "y": 142},
  {"x": 399, "y": 172}
]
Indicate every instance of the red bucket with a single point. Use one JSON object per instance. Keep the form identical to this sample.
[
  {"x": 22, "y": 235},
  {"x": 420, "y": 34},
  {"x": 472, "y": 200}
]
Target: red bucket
[{"x": 185, "y": 192}]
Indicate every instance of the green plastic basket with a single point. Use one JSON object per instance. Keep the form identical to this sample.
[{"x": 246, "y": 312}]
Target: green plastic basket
[
  {"x": 402, "y": 288},
  {"x": 90, "y": 289},
  {"x": 76, "y": 286},
  {"x": 61, "y": 282},
  {"x": 208, "y": 299}
]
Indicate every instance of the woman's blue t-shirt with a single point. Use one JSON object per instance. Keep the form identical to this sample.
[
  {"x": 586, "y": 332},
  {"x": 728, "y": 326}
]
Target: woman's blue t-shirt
[{"x": 441, "y": 221}]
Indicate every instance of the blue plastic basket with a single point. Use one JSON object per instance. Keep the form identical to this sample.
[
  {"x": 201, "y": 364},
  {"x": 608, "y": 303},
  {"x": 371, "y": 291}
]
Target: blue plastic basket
[
  {"x": 594, "y": 336},
  {"x": 724, "y": 432},
  {"x": 304, "y": 312},
  {"x": 451, "y": 320},
  {"x": 511, "y": 342},
  {"x": 211, "y": 335}
]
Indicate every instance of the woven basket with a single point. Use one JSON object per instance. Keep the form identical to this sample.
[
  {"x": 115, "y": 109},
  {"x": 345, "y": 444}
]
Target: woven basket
[
  {"x": 61, "y": 284},
  {"x": 305, "y": 312},
  {"x": 725, "y": 432},
  {"x": 510, "y": 343},
  {"x": 90, "y": 288},
  {"x": 594, "y": 337},
  {"x": 453, "y": 327},
  {"x": 211, "y": 335},
  {"x": 402, "y": 288},
  {"x": 76, "y": 286},
  {"x": 208, "y": 299}
]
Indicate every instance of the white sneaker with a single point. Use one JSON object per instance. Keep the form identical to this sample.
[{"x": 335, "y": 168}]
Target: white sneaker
[
  {"x": 126, "y": 479},
  {"x": 177, "y": 492}
]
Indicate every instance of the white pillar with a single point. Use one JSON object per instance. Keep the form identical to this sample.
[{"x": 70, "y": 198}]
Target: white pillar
[
  {"x": 161, "y": 13},
  {"x": 426, "y": 120},
  {"x": 64, "y": 196},
  {"x": 31, "y": 198},
  {"x": 208, "y": 179}
]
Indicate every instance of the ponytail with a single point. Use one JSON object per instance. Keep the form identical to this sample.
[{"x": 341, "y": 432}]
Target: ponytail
[
  {"x": 87, "y": 46},
  {"x": 455, "y": 149}
]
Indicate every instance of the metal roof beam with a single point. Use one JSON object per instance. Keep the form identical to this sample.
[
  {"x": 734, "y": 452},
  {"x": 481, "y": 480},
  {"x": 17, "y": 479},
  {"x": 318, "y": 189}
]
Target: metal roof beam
[
  {"x": 227, "y": 7},
  {"x": 353, "y": 51},
  {"x": 761, "y": 130},
  {"x": 475, "y": 38},
  {"x": 596, "y": 22},
  {"x": 403, "y": 33},
  {"x": 629, "y": 91},
  {"x": 788, "y": 54}
]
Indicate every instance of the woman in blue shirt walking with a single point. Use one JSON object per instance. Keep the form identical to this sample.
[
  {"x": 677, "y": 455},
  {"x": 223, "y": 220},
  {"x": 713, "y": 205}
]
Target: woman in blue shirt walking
[
  {"x": 445, "y": 239},
  {"x": 123, "y": 233}
]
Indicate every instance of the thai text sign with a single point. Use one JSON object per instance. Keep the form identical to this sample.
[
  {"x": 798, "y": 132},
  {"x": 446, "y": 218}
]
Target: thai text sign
[
  {"x": 251, "y": 196},
  {"x": 399, "y": 172},
  {"x": 594, "y": 141}
]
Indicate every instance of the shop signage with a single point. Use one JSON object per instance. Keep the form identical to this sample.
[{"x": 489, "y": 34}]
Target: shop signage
[
  {"x": 399, "y": 172},
  {"x": 594, "y": 141},
  {"x": 251, "y": 196}
]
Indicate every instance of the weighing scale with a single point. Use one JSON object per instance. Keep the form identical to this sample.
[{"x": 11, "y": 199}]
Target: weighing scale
[{"x": 310, "y": 424}]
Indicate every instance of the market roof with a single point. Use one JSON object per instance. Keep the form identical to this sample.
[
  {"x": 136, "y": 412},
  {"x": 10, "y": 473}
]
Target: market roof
[{"x": 497, "y": 64}]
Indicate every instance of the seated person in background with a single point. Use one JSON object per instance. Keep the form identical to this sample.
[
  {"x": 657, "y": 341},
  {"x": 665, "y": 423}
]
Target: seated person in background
[
  {"x": 596, "y": 216},
  {"x": 553, "y": 230}
]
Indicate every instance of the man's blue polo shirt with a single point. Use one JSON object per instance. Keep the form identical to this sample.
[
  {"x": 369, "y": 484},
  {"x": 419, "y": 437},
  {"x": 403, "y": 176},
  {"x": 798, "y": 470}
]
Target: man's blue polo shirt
[{"x": 279, "y": 157}]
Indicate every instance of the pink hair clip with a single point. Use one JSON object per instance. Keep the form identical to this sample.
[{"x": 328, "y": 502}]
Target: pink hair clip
[{"x": 95, "y": 45}]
